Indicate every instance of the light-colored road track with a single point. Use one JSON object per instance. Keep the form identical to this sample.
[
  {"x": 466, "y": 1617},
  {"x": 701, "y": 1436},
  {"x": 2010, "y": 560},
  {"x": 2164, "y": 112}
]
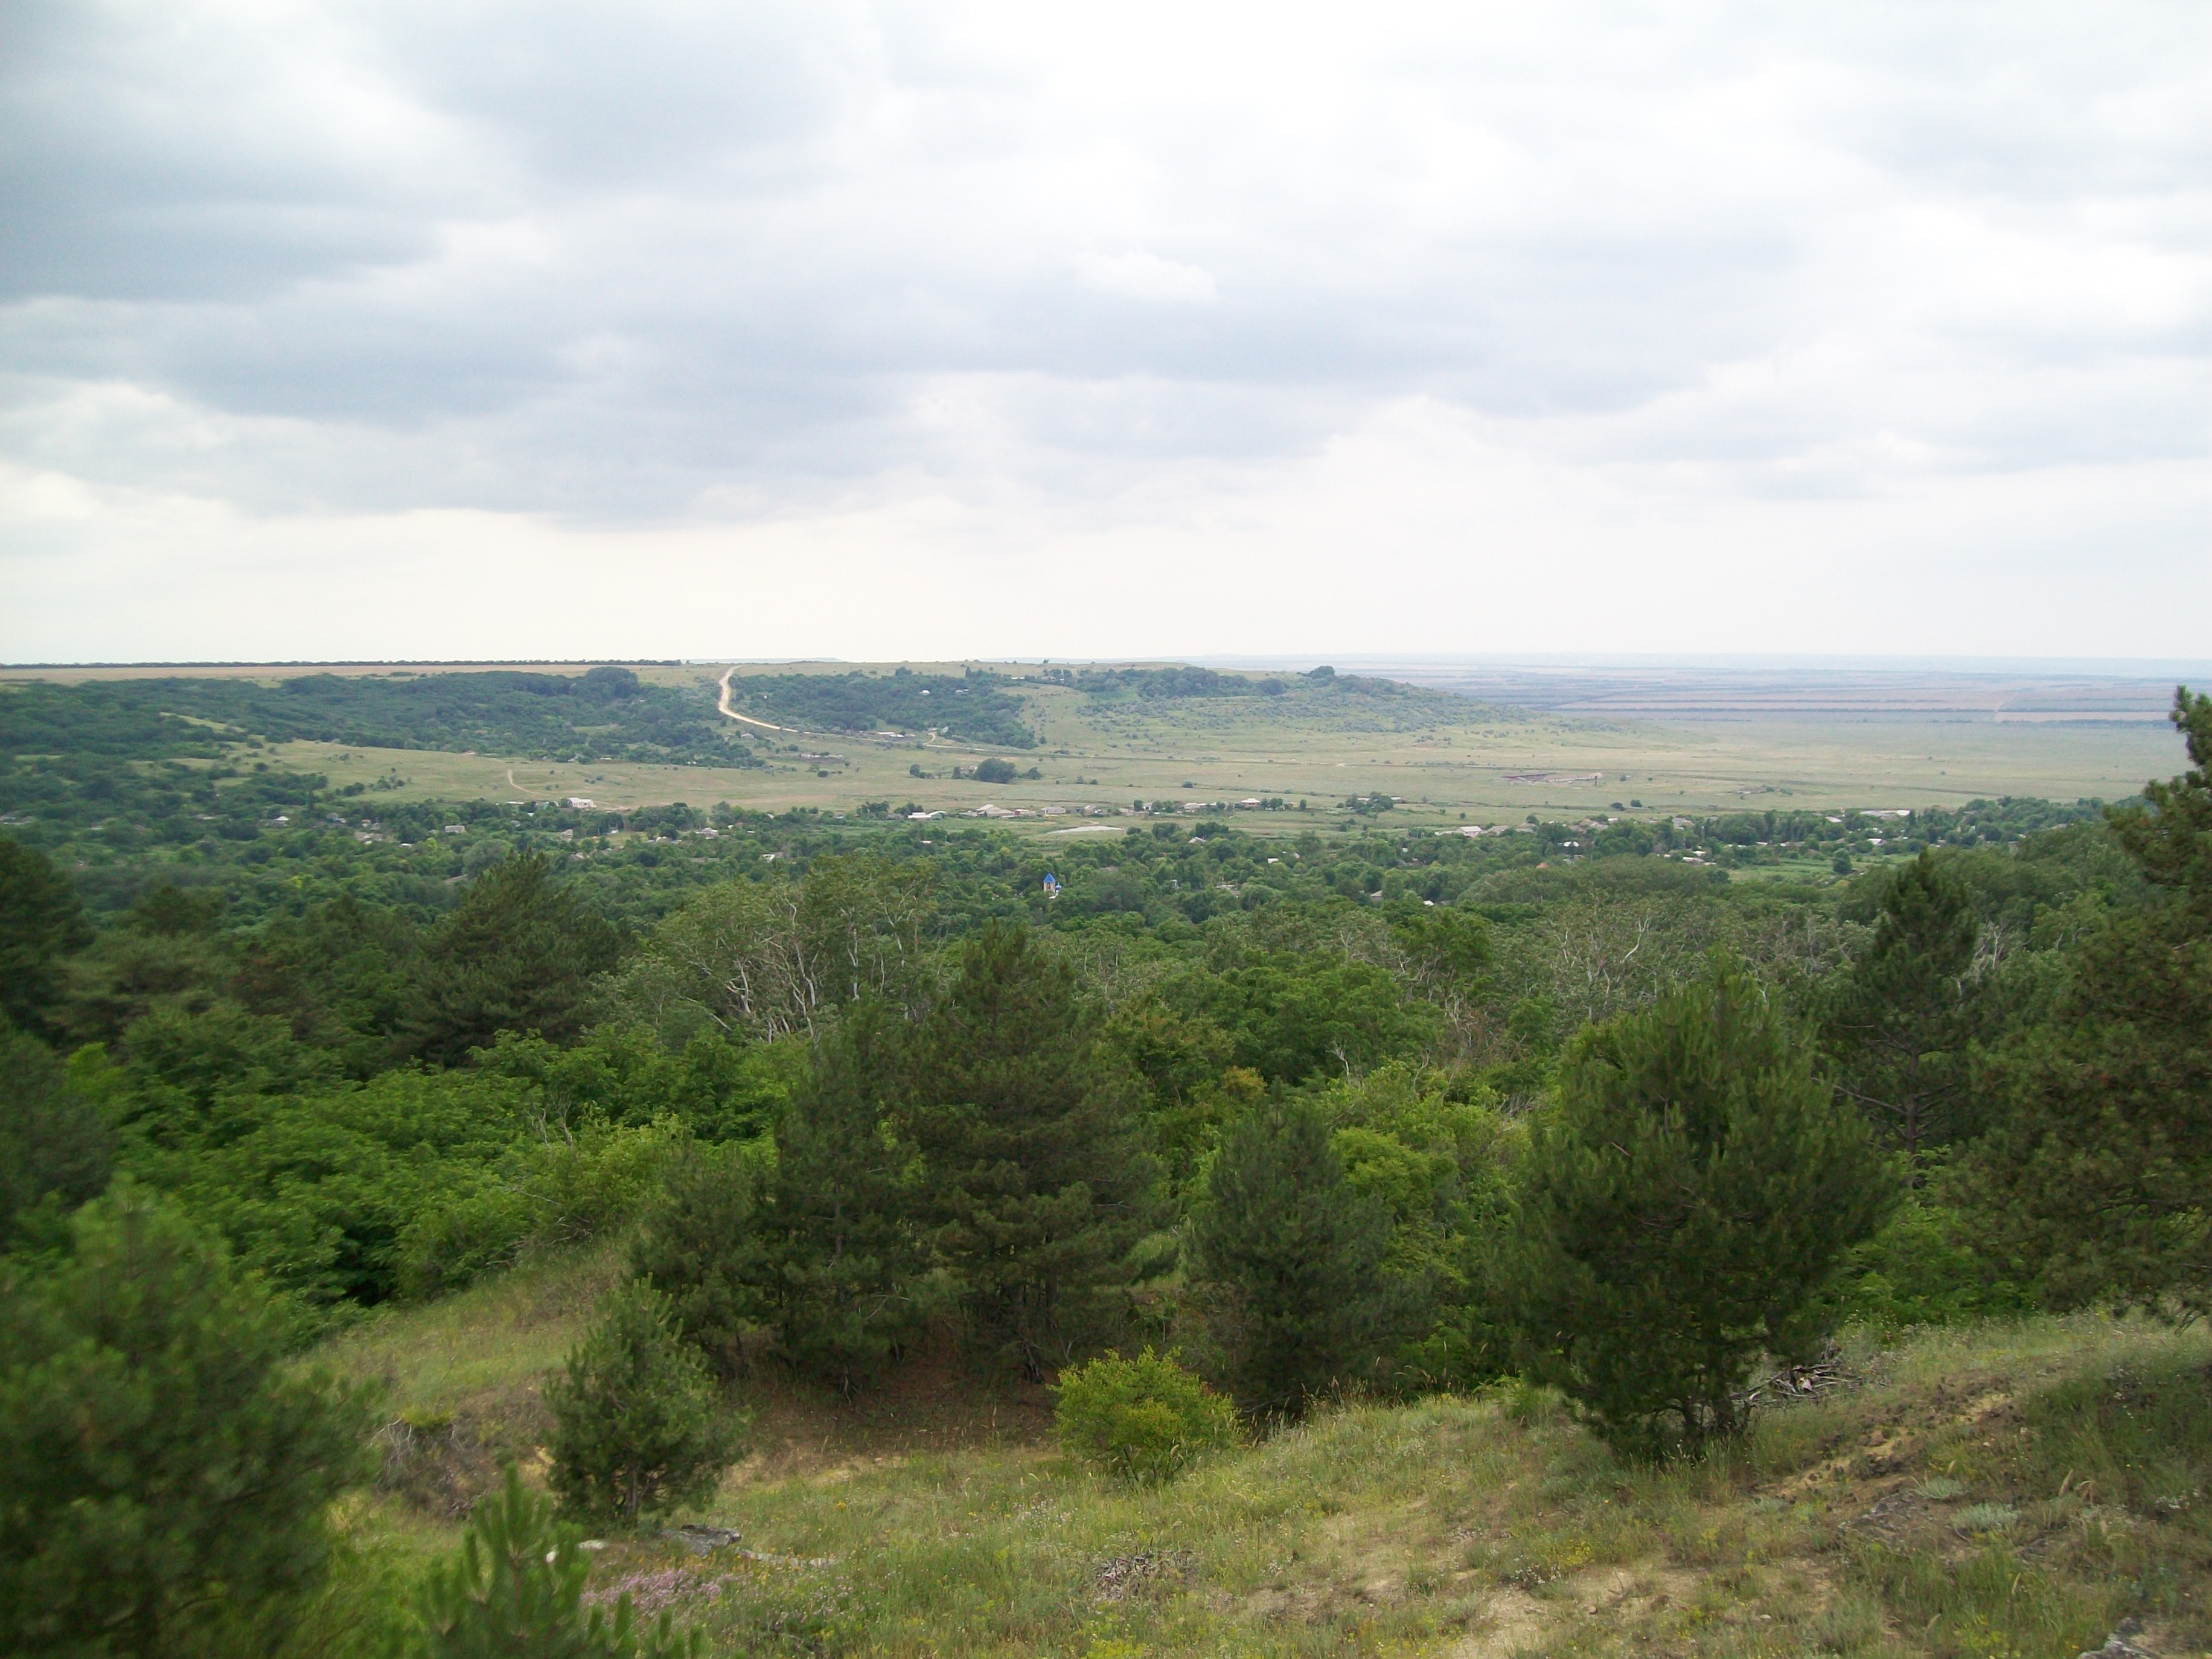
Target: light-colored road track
[{"x": 747, "y": 719}]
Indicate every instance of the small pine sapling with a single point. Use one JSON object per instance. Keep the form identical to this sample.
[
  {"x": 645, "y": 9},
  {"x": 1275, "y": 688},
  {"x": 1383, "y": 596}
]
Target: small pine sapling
[
  {"x": 516, "y": 1586},
  {"x": 638, "y": 1426}
]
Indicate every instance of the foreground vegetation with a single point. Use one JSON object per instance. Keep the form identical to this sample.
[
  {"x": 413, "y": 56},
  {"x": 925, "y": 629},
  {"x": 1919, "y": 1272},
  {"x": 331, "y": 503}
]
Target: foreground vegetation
[
  {"x": 2017, "y": 1487},
  {"x": 1474, "y": 1185}
]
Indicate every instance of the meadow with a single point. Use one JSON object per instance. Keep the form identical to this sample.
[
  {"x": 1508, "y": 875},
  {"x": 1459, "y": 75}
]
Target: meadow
[{"x": 2006, "y": 1489}]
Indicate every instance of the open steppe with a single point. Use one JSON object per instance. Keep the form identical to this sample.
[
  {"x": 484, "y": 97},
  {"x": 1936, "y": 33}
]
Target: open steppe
[{"x": 1447, "y": 756}]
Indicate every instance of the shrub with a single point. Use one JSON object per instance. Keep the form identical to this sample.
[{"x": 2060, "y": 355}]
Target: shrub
[
  {"x": 1920, "y": 1269},
  {"x": 557, "y": 1187},
  {"x": 1143, "y": 1418},
  {"x": 516, "y": 1586},
  {"x": 637, "y": 1424},
  {"x": 166, "y": 1469},
  {"x": 1689, "y": 1201},
  {"x": 469, "y": 1235}
]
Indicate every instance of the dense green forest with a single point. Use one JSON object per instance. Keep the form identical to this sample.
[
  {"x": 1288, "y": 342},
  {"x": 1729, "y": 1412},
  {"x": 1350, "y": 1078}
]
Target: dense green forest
[
  {"x": 1376, "y": 1112},
  {"x": 603, "y": 713},
  {"x": 975, "y": 707}
]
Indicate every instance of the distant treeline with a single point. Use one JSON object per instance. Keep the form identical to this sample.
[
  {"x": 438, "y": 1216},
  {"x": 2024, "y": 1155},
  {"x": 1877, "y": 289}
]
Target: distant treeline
[
  {"x": 1156, "y": 683},
  {"x": 605, "y": 714}
]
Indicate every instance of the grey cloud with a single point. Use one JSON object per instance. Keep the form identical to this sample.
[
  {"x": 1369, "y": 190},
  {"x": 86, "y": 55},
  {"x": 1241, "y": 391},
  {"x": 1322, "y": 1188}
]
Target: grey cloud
[{"x": 619, "y": 262}]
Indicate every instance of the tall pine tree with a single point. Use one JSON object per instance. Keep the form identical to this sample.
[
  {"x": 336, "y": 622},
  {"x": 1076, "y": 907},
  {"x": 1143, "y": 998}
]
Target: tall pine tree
[
  {"x": 1288, "y": 1261},
  {"x": 1039, "y": 1181},
  {"x": 709, "y": 1246},
  {"x": 1898, "y": 1020},
  {"x": 853, "y": 1285},
  {"x": 2091, "y": 1184},
  {"x": 41, "y": 921},
  {"x": 517, "y": 954},
  {"x": 166, "y": 1466}
]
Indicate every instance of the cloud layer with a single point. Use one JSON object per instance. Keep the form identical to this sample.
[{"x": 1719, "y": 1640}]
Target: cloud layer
[{"x": 1442, "y": 302}]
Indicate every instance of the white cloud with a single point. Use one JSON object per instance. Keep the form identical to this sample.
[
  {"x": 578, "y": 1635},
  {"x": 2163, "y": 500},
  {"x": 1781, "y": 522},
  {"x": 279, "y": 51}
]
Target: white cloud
[{"x": 1138, "y": 275}]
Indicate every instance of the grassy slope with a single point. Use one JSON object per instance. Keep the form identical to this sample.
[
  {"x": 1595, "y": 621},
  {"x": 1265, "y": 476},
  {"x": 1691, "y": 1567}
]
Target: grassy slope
[{"x": 2009, "y": 1490}]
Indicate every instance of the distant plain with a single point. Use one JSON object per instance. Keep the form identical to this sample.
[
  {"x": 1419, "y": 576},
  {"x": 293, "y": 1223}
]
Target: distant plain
[{"x": 1548, "y": 742}]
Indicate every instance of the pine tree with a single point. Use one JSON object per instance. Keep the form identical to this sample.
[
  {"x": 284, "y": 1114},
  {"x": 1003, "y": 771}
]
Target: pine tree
[
  {"x": 853, "y": 1286},
  {"x": 1898, "y": 1019},
  {"x": 707, "y": 1247},
  {"x": 637, "y": 1424},
  {"x": 52, "y": 1141},
  {"x": 517, "y": 954},
  {"x": 516, "y": 1587},
  {"x": 167, "y": 1468},
  {"x": 1288, "y": 1262},
  {"x": 2091, "y": 1184},
  {"x": 41, "y": 921},
  {"x": 1039, "y": 1181},
  {"x": 1684, "y": 1204}
]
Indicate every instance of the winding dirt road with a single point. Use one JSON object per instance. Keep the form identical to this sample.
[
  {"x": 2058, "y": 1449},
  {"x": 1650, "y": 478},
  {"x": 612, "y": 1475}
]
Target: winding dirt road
[{"x": 747, "y": 719}]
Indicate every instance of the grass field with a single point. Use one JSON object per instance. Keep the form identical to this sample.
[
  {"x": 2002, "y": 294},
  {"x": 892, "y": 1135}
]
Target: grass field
[
  {"x": 2007, "y": 1492},
  {"x": 1448, "y": 759}
]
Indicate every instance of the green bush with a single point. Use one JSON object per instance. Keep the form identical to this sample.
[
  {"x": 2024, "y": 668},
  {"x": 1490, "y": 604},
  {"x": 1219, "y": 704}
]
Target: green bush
[
  {"x": 586, "y": 1181},
  {"x": 637, "y": 1424},
  {"x": 1921, "y": 1269},
  {"x": 557, "y": 1185},
  {"x": 516, "y": 1587},
  {"x": 472, "y": 1233},
  {"x": 1143, "y": 1418},
  {"x": 318, "y": 1190}
]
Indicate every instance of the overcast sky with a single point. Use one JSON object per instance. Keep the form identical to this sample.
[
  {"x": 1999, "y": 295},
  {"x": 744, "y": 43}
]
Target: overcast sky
[{"x": 453, "y": 329}]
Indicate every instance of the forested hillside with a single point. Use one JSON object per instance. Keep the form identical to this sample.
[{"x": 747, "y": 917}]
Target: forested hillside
[
  {"x": 1271, "y": 1155},
  {"x": 602, "y": 714},
  {"x": 976, "y": 706}
]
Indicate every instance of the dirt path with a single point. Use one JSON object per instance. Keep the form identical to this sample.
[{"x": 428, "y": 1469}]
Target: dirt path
[{"x": 725, "y": 706}]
